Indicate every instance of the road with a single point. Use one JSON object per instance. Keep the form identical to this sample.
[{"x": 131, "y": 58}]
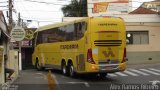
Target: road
[{"x": 136, "y": 77}]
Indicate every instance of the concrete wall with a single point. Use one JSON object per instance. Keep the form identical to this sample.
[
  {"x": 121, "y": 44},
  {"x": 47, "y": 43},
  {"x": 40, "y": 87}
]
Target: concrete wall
[
  {"x": 143, "y": 57},
  {"x": 13, "y": 62},
  {"x": 145, "y": 53},
  {"x": 154, "y": 36},
  {"x": 2, "y": 66}
]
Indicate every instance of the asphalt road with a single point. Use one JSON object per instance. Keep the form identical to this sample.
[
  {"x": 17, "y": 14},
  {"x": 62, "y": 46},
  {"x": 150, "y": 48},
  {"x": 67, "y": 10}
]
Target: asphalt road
[{"x": 136, "y": 77}]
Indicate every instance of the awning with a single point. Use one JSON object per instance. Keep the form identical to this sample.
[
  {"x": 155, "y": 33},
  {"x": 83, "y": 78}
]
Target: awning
[{"x": 5, "y": 33}]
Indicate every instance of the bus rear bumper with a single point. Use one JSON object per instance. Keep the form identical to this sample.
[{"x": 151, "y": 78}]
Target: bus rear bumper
[
  {"x": 107, "y": 68},
  {"x": 111, "y": 68}
]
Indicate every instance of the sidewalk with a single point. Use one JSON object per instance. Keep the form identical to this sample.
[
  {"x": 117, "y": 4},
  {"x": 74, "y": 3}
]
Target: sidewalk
[{"x": 31, "y": 80}]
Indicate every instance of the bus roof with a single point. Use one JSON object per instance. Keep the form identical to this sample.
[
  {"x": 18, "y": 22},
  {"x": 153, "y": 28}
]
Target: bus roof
[
  {"x": 70, "y": 22},
  {"x": 58, "y": 25}
]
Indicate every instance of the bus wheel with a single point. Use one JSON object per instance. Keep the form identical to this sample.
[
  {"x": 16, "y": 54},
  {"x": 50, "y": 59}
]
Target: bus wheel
[
  {"x": 71, "y": 70},
  {"x": 38, "y": 67},
  {"x": 64, "y": 68},
  {"x": 103, "y": 75}
]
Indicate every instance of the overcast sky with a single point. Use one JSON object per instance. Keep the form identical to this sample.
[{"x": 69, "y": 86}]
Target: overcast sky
[
  {"x": 44, "y": 13},
  {"x": 137, "y": 3}
]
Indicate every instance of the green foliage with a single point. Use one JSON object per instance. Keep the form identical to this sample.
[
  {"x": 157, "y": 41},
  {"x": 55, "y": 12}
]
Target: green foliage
[{"x": 75, "y": 9}]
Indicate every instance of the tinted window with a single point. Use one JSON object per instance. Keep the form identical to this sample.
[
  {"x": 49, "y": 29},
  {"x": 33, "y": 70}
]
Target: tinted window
[
  {"x": 80, "y": 29},
  {"x": 39, "y": 38},
  {"x": 69, "y": 32}
]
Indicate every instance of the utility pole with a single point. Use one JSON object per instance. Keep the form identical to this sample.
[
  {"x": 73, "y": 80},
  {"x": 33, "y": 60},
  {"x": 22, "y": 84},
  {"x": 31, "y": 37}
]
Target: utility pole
[
  {"x": 19, "y": 19},
  {"x": 20, "y": 44},
  {"x": 10, "y": 5}
]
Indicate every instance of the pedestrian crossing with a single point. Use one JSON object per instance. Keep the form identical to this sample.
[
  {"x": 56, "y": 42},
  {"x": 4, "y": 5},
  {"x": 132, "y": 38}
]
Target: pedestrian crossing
[{"x": 136, "y": 72}]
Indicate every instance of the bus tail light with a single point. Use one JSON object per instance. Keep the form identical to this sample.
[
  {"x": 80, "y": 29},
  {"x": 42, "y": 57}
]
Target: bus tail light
[
  {"x": 124, "y": 56},
  {"x": 89, "y": 56}
]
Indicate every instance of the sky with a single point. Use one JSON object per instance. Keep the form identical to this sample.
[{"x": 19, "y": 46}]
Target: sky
[
  {"x": 43, "y": 12},
  {"x": 137, "y": 3}
]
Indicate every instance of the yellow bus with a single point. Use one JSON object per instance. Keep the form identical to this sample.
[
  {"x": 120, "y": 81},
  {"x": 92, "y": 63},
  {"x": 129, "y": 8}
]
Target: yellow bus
[{"x": 95, "y": 45}]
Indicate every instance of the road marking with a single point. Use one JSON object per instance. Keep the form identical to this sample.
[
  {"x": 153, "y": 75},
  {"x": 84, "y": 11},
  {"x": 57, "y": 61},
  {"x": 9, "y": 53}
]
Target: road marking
[
  {"x": 134, "y": 72},
  {"x": 130, "y": 73},
  {"x": 85, "y": 83},
  {"x": 43, "y": 76},
  {"x": 137, "y": 71},
  {"x": 40, "y": 73},
  {"x": 157, "y": 70},
  {"x": 121, "y": 74},
  {"x": 112, "y": 75},
  {"x": 64, "y": 77},
  {"x": 149, "y": 71}
]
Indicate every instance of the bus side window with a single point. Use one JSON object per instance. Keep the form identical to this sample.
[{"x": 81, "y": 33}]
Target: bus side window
[
  {"x": 39, "y": 38},
  {"x": 70, "y": 32},
  {"x": 33, "y": 42},
  {"x": 62, "y": 33},
  {"x": 80, "y": 29},
  {"x": 84, "y": 27}
]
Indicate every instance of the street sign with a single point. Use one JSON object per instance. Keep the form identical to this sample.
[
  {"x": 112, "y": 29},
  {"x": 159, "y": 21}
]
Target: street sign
[
  {"x": 29, "y": 34},
  {"x": 18, "y": 33}
]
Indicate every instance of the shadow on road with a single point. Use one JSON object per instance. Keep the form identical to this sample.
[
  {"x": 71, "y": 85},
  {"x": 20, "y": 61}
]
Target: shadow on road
[{"x": 85, "y": 77}]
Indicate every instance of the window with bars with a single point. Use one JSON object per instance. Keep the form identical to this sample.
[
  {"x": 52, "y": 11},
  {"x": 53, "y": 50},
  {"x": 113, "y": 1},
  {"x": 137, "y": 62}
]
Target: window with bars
[{"x": 137, "y": 37}]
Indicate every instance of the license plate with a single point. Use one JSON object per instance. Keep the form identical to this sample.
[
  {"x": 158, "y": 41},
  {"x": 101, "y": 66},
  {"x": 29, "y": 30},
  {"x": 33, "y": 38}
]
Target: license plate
[{"x": 108, "y": 68}]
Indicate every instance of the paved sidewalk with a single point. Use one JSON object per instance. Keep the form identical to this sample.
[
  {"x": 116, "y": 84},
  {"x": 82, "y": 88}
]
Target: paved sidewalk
[{"x": 31, "y": 80}]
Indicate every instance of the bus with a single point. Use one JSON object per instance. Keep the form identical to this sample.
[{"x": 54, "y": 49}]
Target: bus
[{"x": 93, "y": 45}]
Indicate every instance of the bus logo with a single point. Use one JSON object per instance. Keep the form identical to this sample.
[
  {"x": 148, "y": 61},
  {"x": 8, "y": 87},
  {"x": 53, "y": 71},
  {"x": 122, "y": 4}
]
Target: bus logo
[{"x": 108, "y": 53}]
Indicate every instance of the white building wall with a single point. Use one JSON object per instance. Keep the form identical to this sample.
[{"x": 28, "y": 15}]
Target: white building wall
[{"x": 154, "y": 36}]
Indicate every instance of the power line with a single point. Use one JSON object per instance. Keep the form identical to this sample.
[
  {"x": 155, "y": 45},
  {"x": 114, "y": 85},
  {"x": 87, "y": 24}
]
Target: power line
[
  {"x": 42, "y": 18},
  {"x": 25, "y": 9},
  {"x": 41, "y": 10},
  {"x": 41, "y": 2}
]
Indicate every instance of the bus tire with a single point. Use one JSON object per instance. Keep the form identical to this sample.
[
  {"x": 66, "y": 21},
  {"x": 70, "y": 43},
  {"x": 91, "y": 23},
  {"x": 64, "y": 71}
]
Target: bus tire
[
  {"x": 64, "y": 68},
  {"x": 72, "y": 73},
  {"x": 37, "y": 66},
  {"x": 102, "y": 75}
]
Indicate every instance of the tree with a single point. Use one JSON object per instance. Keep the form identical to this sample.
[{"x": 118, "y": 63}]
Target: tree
[{"x": 75, "y": 9}]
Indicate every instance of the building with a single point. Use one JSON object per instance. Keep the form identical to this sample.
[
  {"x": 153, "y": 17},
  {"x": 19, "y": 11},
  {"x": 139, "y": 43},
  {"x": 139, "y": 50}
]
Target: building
[
  {"x": 153, "y": 5},
  {"x": 142, "y": 36},
  {"x": 4, "y": 39},
  {"x": 143, "y": 28},
  {"x": 108, "y": 7}
]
